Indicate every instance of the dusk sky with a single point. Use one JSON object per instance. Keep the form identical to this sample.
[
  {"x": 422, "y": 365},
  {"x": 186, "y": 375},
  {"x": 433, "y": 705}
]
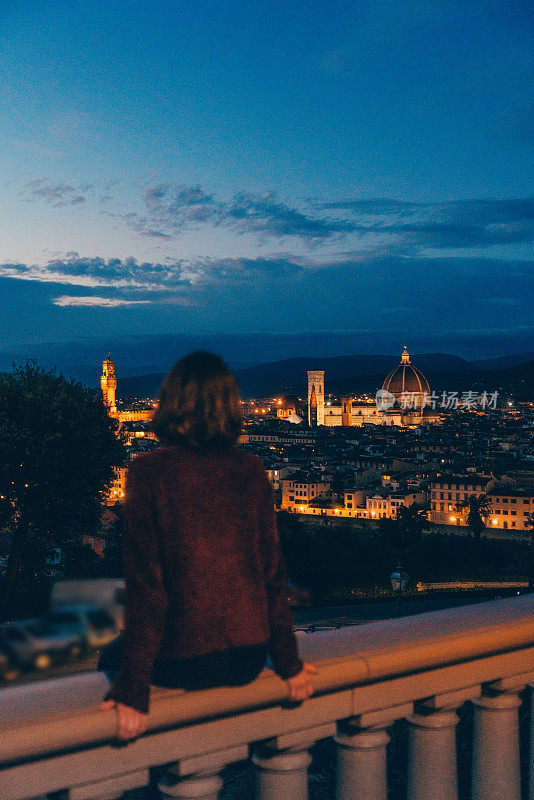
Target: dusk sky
[{"x": 210, "y": 167}]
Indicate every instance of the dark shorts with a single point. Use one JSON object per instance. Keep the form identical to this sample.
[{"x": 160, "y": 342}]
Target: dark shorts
[{"x": 234, "y": 667}]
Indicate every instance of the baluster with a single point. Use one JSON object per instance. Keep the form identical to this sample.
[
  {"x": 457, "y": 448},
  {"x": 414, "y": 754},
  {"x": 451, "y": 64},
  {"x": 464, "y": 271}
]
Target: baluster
[
  {"x": 361, "y": 754},
  {"x": 432, "y": 762},
  {"x": 496, "y": 769},
  {"x": 198, "y": 778},
  {"x": 282, "y": 764}
]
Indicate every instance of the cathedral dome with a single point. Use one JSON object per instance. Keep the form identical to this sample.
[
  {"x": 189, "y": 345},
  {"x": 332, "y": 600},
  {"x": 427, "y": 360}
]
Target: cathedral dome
[{"x": 407, "y": 384}]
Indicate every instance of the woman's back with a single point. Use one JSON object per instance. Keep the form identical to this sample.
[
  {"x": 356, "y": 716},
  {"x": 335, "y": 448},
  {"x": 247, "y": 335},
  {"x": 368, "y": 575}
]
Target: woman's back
[
  {"x": 211, "y": 508},
  {"x": 203, "y": 568}
]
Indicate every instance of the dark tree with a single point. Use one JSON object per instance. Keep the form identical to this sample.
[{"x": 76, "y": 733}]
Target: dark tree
[
  {"x": 337, "y": 486},
  {"x": 413, "y": 521},
  {"x": 112, "y": 562},
  {"x": 405, "y": 530},
  {"x": 58, "y": 449},
  {"x": 479, "y": 508}
]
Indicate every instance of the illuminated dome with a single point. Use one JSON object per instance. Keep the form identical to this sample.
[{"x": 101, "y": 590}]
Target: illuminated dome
[{"x": 407, "y": 384}]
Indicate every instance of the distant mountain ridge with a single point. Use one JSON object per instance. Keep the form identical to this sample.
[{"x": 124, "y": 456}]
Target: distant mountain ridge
[{"x": 364, "y": 373}]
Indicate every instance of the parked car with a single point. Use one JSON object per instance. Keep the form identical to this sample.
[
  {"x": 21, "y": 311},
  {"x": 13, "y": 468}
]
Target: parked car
[
  {"x": 33, "y": 644},
  {"x": 106, "y": 593},
  {"x": 94, "y": 626},
  {"x": 8, "y": 669}
]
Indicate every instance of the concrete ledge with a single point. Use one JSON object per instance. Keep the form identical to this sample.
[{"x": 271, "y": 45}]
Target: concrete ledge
[{"x": 381, "y": 652}]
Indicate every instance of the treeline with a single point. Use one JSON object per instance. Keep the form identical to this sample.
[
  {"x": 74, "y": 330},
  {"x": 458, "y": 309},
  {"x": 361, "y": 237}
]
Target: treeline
[{"x": 326, "y": 559}]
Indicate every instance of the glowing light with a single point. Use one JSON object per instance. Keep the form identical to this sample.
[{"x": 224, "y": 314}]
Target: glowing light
[
  {"x": 452, "y": 519},
  {"x": 495, "y": 521}
]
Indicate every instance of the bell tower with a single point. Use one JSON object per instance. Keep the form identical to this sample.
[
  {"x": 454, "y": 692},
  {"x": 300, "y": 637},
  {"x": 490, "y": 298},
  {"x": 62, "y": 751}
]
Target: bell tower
[
  {"x": 346, "y": 411},
  {"x": 108, "y": 382},
  {"x": 316, "y": 397}
]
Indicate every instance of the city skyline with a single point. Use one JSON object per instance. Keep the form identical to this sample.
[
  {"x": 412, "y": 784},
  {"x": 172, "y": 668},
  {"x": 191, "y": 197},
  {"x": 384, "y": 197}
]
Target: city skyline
[{"x": 218, "y": 169}]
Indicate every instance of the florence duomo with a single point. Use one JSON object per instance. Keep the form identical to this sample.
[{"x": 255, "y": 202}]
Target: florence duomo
[{"x": 402, "y": 401}]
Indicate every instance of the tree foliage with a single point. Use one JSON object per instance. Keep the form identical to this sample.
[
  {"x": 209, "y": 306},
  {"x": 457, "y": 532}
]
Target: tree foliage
[
  {"x": 479, "y": 507},
  {"x": 405, "y": 530},
  {"x": 58, "y": 449}
]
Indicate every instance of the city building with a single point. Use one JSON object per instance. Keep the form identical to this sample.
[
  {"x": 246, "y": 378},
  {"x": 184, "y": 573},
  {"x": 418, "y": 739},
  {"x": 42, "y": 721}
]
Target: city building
[
  {"x": 116, "y": 490},
  {"x": 448, "y": 492},
  {"x": 512, "y": 507},
  {"x": 135, "y": 435},
  {"x": 379, "y": 507},
  {"x": 406, "y": 382},
  {"x": 108, "y": 383},
  {"x": 404, "y": 401},
  {"x": 316, "y": 397},
  {"x": 289, "y": 408},
  {"x": 300, "y": 488}
]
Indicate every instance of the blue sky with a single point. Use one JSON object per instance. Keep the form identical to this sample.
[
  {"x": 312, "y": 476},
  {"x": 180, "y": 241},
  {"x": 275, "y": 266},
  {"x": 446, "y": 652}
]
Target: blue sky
[{"x": 270, "y": 166}]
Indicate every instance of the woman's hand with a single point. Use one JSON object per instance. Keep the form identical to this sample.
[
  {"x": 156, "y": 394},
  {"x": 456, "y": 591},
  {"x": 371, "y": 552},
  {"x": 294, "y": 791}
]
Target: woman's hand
[
  {"x": 300, "y": 685},
  {"x": 131, "y": 723}
]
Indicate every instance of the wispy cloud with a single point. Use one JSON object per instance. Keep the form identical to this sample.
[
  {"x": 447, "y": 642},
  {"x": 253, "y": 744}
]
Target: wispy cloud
[
  {"x": 385, "y": 224},
  {"x": 175, "y": 282},
  {"x": 93, "y": 301},
  {"x": 57, "y": 194},
  {"x": 377, "y": 225},
  {"x": 170, "y": 209},
  {"x": 460, "y": 224}
]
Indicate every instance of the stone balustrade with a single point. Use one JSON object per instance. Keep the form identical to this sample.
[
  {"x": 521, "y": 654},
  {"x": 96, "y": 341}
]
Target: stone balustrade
[{"x": 421, "y": 669}]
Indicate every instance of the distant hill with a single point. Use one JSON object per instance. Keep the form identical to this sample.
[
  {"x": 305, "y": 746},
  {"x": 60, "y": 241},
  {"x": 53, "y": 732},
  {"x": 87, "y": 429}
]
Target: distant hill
[
  {"x": 353, "y": 374},
  {"x": 517, "y": 381},
  {"x": 503, "y": 362}
]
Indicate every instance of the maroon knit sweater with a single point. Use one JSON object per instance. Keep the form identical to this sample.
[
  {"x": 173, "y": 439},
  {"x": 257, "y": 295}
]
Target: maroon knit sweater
[{"x": 203, "y": 566}]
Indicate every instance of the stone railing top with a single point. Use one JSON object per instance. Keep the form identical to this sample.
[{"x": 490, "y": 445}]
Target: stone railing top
[{"x": 346, "y": 657}]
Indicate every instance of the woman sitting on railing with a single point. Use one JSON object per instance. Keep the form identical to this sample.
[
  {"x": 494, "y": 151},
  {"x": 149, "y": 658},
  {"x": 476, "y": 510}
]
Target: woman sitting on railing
[{"x": 206, "y": 588}]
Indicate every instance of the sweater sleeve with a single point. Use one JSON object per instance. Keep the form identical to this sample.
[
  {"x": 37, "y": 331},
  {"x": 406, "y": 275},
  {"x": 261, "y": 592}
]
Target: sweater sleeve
[
  {"x": 282, "y": 641},
  {"x": 146, "y": 598}
]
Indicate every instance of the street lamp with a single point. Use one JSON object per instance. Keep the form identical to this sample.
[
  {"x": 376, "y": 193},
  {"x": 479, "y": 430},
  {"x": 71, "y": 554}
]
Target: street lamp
[{"x": 399, "y": 582}]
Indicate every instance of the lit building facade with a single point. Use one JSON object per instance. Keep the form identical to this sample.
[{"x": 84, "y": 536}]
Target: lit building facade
[
  {"x": 108, "y": 384},
  {"x": 409, "y": 391},
  {"x": 379, "y": 507},
  {"x": 509, "y": 506},
  {"x": 315, "y": 398},
  {"x": 299, "y": 489},
  {"x": 448, "y": 492}
]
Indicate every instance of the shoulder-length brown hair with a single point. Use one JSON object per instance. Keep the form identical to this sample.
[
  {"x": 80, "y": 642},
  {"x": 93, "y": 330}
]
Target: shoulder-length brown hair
[{"x": 199, "y": 403}]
